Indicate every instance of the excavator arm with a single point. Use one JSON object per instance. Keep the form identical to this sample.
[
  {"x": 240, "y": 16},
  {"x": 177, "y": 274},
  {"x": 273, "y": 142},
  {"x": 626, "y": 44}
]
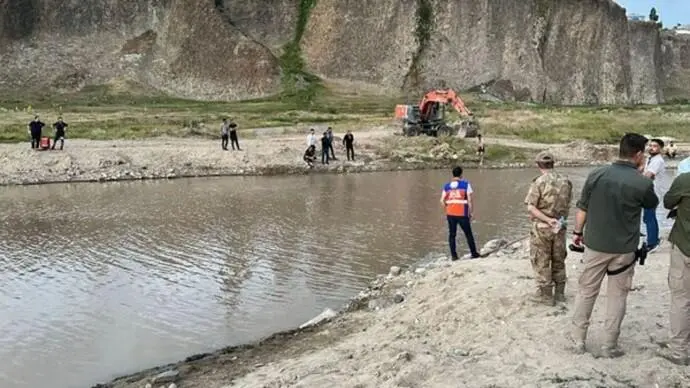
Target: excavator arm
[
  {"x": 443, "y": 97},
  {"x": 416, "y": 119}
]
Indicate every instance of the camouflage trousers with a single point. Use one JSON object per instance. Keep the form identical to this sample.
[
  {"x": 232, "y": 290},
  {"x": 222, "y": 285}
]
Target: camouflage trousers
[{"x": 547, "y": 253}]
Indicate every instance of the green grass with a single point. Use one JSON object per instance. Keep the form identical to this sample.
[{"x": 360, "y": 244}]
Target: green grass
[
  {"x": 100, "y": 113},
  {"x": 127, "y": 112},
  {"x": 446, "y": 149}
]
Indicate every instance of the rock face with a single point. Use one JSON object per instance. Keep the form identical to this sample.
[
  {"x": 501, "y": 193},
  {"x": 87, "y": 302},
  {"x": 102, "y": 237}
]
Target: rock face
[
  {"x": 183, "y": 47},
  {"x": 559, "y": 51},
  {"x": 646, "y": 63},
  {"x": 676, "y": 65}
]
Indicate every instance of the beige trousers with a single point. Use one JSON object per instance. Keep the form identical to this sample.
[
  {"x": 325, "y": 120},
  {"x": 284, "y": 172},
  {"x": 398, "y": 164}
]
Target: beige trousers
[
  {"x": 618, "y": 286},
  {"x": 679, "y": 284}
]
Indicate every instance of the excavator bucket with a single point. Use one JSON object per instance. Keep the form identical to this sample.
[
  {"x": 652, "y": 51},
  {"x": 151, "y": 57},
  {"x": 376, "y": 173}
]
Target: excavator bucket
[{"x": 467, "y": 128}]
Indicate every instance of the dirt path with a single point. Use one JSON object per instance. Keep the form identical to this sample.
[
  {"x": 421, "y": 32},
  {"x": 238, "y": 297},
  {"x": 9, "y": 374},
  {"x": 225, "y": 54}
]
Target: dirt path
[{"x": 453, "y": 325}]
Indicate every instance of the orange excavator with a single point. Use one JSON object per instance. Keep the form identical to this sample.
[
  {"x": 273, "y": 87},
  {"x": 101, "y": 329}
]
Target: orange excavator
[{"x": 429, "y": 116}]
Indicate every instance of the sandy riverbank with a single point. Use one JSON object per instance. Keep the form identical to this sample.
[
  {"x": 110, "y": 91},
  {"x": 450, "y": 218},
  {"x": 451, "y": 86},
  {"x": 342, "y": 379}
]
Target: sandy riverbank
[
  {"x": 265, "y": 154},
  {"x": 376, "y": 149},
  {"x": 463, "y": 324}
]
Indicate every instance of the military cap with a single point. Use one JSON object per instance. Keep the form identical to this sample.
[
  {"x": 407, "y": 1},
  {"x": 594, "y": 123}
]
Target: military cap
[{"x": 545, "y": 157}]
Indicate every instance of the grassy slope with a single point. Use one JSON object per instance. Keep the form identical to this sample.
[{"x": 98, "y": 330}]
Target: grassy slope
[{"x": 105, "y": 112}]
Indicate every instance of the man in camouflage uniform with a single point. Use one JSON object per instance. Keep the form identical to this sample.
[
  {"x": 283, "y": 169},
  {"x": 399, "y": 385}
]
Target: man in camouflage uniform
[{"x": 547, "y": 201}]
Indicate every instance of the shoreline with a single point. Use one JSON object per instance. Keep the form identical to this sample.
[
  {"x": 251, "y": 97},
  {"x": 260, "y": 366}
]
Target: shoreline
[
  {"x": 393, "y": 329},
  {"x": 286, "y": 170},
  {"x": 362, "y": 301},
  {"x": 172, "y": 158}
]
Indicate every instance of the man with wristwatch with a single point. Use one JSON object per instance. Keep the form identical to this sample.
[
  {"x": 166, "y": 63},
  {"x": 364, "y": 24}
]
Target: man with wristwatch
[{"x": 607, "y": 222}]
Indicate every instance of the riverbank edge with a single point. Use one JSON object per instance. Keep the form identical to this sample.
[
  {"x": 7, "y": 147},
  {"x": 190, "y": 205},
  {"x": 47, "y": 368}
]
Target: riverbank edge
[
  {"x": 285, "y": 170},
  {"x": 376, "y": 289}
]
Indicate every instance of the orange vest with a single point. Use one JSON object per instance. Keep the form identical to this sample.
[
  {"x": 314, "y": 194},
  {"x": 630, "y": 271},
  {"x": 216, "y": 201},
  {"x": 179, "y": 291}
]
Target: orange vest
[{"x": 456, "y": 198}]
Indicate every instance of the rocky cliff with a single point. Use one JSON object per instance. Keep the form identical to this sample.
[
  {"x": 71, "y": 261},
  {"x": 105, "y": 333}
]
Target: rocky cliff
[
  {"x": 676, "y": 65},
  {"x": 557, "y": 51}
]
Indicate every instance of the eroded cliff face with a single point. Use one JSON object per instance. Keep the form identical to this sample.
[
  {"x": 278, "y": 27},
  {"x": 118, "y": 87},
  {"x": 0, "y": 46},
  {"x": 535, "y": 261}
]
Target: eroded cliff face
[
  {"x": 676, "y": 65},
  {"x": 646, "y": 63},
  {"x": 184, "y": 47},
  {"x": 557, "y": 51}
]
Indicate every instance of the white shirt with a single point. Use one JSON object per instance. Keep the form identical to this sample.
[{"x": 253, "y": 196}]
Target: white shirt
[
  {"x": 657, "y": 166},
  {"x": 311, "y": 139}
]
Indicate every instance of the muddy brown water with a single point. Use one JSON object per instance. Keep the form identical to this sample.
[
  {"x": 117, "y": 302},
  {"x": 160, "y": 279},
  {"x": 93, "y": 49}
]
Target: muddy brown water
[{"x": 100, "y": 280}]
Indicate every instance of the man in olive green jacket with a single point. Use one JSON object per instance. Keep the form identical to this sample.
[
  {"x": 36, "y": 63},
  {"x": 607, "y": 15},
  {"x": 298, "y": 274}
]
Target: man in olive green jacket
[{"x": 678, "y": 197}]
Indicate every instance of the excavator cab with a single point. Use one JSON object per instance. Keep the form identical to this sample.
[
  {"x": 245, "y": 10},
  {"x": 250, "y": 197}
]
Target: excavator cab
[{"x": 429, "y": 117}]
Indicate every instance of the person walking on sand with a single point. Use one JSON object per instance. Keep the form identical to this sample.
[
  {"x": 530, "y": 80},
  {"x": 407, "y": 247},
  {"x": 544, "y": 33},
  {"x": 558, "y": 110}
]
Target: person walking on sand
[
  {"x": 481, "y": 149},
  {"x": 233, "y": 137},
  {"x": 548, "y": 202},
  {"x": 654, "y": 170},
  {"x": 60, "y": 127},
  {"x": 678, "y": 197},
  {"x": 329, "y": 133},
  {"x": 349, "y": 143},
  {"x": 457, "y": 199},
  {"x": 224, "y": 134},
  {"x": 35, "y": 129},
  {"x": 325, "y": 144},
  {"x": 609, "y": 211}
]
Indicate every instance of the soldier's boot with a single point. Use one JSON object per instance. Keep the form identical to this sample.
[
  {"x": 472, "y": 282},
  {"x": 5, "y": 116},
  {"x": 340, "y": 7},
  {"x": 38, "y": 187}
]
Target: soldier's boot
[
  {"x": 559, "y": 292},
  {"x": 544, "y": 295}
]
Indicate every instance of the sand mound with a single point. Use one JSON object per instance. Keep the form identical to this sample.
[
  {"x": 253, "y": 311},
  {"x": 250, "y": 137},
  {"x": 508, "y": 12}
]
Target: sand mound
[{"x": 468, "y": 324}]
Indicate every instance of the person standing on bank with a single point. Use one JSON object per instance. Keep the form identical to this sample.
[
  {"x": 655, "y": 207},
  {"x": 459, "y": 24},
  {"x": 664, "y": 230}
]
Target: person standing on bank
[
  {"x": 224, "y": 134},
  {"x": 311, "y": 138},
  {"x": 329, "y": 133},
  {"x": 233, "y": 137},
  {"x": 349, "y": 143},
  {"x": 609, "y": 210},
  {"x": 60, "y": 127},
  {"x": 654, "y": 170},
  {"x": 35, "y": 129},
  {"x": 678, "y": 197},
  {"x": 325, "y": 144},
  {"x": 457, "y": 199},
  {"x": 548, "y": 201}
]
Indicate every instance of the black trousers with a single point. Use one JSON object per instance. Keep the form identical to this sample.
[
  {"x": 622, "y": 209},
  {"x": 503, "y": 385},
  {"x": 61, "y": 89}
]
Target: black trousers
[
  {"x": 224, "y": 141},
  {"x": 464, "y": 224},
  {"x": 324, "y": 156},
  {"x": 233, "y": 141},
  {"x": 35, "y": 140},
  {"x": 61, "y": 138},
  {"x": 330, "y": 148},
  {"x": 350, "y": 151}
]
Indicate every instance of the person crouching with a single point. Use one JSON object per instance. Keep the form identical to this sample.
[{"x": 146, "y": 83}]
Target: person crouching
[{"x": 310, "y": 156}]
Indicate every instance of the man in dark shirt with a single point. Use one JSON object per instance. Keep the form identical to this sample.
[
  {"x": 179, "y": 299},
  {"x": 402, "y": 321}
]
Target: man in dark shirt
[
  {"x": 233, "y": 137},
  {"x": 35, "y": 129},
  {"x": 325, "y": 145},
  {"x": 349, "y": 143},
  {"x": 678, "y": 197},
  {"x": 60, "y": 127},
  {"x": 329, "y": 134},
  {"x": 609, "y": 210}
]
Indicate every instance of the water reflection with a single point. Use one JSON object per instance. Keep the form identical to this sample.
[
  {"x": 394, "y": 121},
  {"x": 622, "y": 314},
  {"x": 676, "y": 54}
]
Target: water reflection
[{"x": 103, "y": 279}]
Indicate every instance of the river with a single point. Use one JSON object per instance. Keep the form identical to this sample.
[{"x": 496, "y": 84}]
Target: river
[{"x": 99, "y": 280}]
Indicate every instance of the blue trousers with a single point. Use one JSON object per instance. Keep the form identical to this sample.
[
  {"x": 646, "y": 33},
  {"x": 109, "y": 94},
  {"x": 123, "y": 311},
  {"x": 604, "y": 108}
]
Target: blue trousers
[
  {"x": 465, "y": 225},
  {"x": 652, "y": 226}
]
